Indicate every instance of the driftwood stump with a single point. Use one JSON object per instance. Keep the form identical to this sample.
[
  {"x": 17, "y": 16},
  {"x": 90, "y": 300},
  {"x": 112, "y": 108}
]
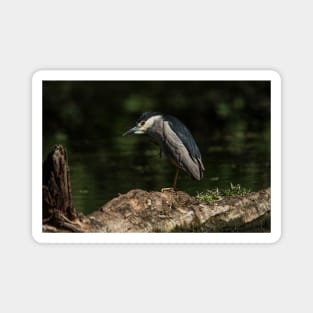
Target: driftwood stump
[{"x": 57, "y": 203}]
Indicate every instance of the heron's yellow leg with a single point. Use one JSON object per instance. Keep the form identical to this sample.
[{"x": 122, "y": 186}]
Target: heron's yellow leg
[
  {"x": 174, "y": 183},
  {"x": 175, "y": 178}
]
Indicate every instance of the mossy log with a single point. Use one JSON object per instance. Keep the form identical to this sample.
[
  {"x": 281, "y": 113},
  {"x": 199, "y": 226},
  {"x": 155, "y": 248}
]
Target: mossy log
[{"x": 142, "y": 211}]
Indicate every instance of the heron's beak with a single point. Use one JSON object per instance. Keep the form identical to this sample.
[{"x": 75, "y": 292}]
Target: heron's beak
[{"x": 131, "y": 131}]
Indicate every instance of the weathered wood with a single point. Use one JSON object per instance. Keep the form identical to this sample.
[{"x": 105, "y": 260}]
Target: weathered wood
[
  {"x": 57, "y": 202},
  {"x": 142, "y": 211}
]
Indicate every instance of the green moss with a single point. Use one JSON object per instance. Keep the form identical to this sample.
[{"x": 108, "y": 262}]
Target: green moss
[
  {"x": 210, "y": 196},
  {"x": 215, "y": 195}
]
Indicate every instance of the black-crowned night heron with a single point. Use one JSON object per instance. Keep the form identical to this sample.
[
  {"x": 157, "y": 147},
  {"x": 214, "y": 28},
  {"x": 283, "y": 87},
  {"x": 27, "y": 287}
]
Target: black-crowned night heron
[{"x": 175, "y": 141}]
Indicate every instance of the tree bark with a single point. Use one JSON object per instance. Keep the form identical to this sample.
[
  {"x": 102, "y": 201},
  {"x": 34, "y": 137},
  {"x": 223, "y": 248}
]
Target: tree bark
[
  {"x": 142, "y": 211},
  {"x": 57, "y": 203}
]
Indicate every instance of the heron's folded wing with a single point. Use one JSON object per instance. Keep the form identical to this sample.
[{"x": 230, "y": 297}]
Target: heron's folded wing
[{"x": 178, "y": 152}]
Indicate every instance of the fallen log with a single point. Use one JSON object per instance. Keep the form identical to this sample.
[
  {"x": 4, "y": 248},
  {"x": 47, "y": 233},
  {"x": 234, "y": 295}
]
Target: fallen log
[{"x": 142, "y": 211}]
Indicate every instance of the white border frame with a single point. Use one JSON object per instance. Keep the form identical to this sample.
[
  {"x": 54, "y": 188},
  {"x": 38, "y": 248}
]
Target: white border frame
[{"x": 214, "y": 75}]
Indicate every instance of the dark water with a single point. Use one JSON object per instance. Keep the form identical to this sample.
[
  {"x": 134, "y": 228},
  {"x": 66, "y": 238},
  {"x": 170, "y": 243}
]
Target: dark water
[{"x": 100, "y": 170}]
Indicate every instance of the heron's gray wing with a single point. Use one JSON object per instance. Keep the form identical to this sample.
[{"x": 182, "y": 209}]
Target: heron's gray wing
[
  {"x": 186, "y": 138},
  {"x": 178, "y": 153}
]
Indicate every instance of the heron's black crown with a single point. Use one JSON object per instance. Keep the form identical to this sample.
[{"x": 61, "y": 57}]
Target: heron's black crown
[{"x": 146, "y": 115}]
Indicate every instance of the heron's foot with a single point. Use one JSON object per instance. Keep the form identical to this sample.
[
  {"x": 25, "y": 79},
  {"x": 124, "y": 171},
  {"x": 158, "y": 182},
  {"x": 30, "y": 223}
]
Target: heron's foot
[{"x": 169, "y": 189}]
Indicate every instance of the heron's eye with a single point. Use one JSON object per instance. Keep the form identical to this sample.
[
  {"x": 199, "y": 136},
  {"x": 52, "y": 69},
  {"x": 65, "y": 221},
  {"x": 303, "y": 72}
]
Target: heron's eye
[{"x": 142, "y": 123}]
